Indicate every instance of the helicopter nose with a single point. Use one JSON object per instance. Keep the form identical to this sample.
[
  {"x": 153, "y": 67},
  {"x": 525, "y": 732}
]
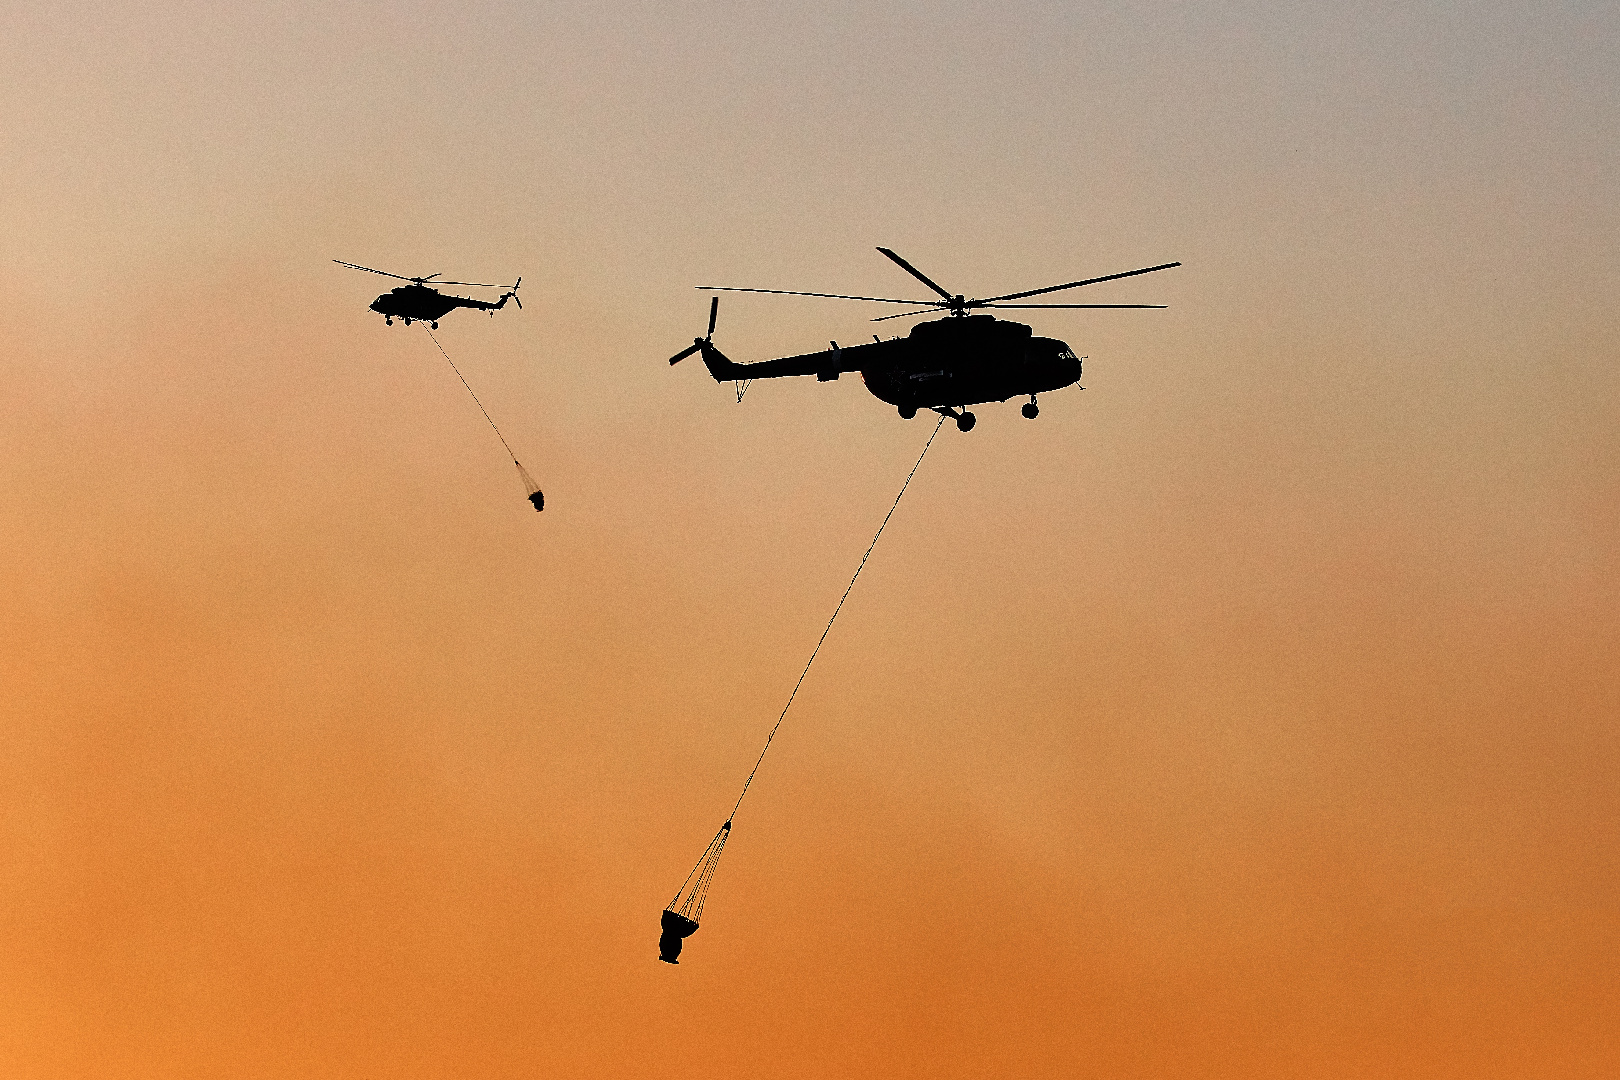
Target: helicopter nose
[{"x": 1066, "y": 363}]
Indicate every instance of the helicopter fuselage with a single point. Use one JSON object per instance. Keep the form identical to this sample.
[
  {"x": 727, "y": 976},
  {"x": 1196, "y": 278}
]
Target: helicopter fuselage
[
  {"x": 954, "y": 362},
  {"x": 411, "y": 302},
  {"x": 945, "y": 363}
]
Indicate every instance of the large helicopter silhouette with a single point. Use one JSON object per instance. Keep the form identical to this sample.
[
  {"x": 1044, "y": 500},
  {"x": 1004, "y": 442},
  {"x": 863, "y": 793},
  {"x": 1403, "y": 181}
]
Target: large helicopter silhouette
[
  {"x": 944, "y": 365},
  {"x": 417, "y": 301}
]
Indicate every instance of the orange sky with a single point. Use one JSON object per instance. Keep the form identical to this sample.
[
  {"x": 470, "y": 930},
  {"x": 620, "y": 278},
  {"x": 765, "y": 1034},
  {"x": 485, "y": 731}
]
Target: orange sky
[{"x": 1249, "y": 714}]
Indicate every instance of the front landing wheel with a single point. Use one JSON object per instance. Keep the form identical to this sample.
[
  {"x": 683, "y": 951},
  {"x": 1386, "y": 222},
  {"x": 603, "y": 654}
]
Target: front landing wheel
[
  {"x": 1031, "y": 410},
  {"x": 966, "y": 421},
  {"x": 907, "y": 411}
]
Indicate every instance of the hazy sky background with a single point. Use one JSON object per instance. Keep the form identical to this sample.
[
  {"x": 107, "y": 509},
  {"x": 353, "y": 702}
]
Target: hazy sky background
[{"x": 1249, "y": 714}]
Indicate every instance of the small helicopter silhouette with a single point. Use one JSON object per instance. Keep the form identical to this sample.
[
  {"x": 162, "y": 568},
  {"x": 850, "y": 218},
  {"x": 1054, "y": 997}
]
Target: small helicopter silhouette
[
  {"x": 417, "y": 301},
  {"x": 944, "y": 365}
]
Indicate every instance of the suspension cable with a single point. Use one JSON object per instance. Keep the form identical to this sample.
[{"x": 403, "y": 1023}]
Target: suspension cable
[
  {"x": 480, "y": 404},
  {"x": 828, "y": 629}
]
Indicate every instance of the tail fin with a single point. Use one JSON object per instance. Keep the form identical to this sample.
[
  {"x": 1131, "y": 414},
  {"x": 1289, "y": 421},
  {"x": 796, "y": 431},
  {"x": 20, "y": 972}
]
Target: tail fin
[{"x": 719, "y": 365}]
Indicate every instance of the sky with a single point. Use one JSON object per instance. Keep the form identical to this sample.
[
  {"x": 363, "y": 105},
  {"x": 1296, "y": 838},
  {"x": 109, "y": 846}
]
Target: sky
[{"x": 1251, "y": 713}]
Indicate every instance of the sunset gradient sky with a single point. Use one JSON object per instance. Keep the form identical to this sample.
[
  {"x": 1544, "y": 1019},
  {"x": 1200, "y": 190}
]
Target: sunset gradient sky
[{"x": 1250, "y": 714}]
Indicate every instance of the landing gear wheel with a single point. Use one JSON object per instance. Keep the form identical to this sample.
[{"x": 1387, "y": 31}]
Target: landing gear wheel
[
  {"x": 966, "y": 421},
  {"x": 1031, "y": 410},
  {"x": 907, "y": 411},
  {"x": 407, "y": 322},
  {"x": 434, "y": 325},
  {"x": 389, "y": 320}
]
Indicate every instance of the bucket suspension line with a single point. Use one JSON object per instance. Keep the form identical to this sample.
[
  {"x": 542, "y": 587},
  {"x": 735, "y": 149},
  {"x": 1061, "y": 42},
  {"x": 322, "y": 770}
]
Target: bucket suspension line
[
  {"x": 534, "y": 494},
  {"x": 680, "y": 919},
  {"x": 828, "y": 628}
]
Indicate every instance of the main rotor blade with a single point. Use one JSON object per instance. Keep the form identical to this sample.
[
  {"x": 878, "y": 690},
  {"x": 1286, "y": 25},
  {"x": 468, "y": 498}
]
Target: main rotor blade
[
  {"x": 422, "y": 280},
  {"x": 914, "y": 272},
  {"x": 903, "y": 314},
  {"x": 1004, "y": 307},
  {"x": 714, "y": 311},
  {"x": 1077, "y": 284},
  {"x": 369, "y": 270},
  {"x": 828, "y": 295}
]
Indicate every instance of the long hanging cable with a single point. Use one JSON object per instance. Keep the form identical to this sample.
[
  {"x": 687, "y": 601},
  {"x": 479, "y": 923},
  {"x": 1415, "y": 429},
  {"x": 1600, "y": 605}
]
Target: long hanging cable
[
  {"x": 836, "y": 610},
  {"x": 480, "y": 404},
  {"x": 703, "y": 871},
  {"x": 523, "y": 474}
]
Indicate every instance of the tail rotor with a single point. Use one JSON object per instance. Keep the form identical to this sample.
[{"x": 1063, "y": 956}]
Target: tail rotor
[
  {"x": 511, "y": 294},
  {"x": 704, "y": 344},
  {"x": 719, "y": 365}
]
